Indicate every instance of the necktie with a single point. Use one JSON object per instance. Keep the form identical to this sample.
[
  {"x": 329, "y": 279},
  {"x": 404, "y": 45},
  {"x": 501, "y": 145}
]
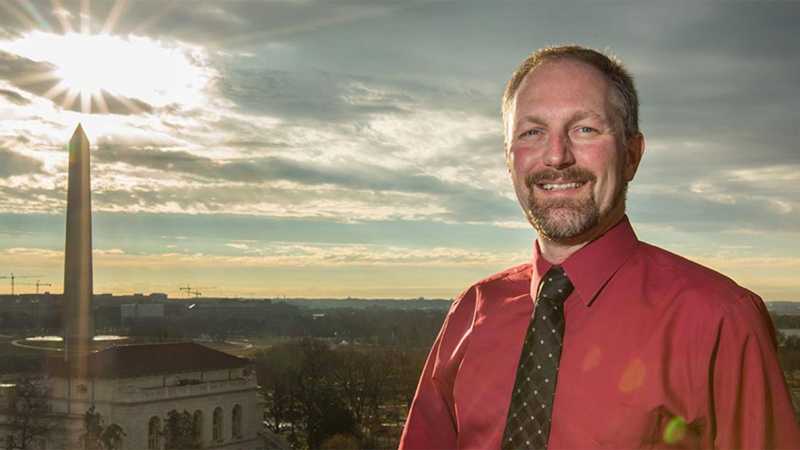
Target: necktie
[{"x": 528, "y": 423}]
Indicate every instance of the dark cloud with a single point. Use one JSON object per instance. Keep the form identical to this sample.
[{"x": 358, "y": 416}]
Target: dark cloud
[
  {"x": 14, "y": 97},
  {"x": 38, "y": 78},
  {"x": 460, "y": 201},
  {"x": 338, "y": 97},
  {"x": 201, "y": 21},
  {"x": 12, "y": 163},
  {"x": 691, "y": 212},
  {"x": 351, "y": 175},
  {"x": 313, "y": 95}
]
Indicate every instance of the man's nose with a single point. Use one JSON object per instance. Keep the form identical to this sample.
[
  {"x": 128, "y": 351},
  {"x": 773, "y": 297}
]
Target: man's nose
[{"x": 559, "y": 152}]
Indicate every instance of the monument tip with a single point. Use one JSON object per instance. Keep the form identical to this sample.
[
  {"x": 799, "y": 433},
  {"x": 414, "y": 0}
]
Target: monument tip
[{"x": 79, "y": 133}]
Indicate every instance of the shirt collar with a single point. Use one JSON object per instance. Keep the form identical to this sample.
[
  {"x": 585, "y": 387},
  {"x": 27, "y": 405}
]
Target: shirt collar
[{"x": 592, "y": 266}]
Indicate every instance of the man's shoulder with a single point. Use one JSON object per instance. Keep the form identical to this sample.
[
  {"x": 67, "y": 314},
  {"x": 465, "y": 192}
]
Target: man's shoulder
[
  {"x": 507, "y": 283},
  {"x": 687, "y": 278},
  {"x": 518, "y": 277},
  {"x": 513, "y": 278},
  {"x": 520, "y": 272}
]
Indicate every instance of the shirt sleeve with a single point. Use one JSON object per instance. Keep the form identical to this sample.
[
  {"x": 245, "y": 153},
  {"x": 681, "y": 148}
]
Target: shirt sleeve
[
  {"x": 431, "y": 423},
  {"x": 752, "y": 408}
]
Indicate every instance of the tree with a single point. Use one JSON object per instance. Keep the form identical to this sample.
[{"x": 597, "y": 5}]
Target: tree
[
  {"x": 300, "y": 390},
  {"x": 98, "y": 436},
  {"x": 275, "y": 372},
  {"x": 179, "y": 431},
  {"x": 321, "y": 396},
  {"x": 28, "y": 413}
]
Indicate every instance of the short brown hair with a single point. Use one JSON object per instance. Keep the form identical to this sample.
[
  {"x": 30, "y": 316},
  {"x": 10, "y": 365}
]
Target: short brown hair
[{"x": 624, "y": 99}]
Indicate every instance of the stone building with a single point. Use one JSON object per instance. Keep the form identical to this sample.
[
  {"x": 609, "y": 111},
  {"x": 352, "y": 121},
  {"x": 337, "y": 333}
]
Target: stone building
[{"x": 136, "y": 386}]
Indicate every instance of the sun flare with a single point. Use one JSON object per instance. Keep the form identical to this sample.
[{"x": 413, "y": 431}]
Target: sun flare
[{"x": 130, "y": 69}]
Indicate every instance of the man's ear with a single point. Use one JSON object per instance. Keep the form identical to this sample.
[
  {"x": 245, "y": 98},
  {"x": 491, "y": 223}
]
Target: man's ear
[{"x": 634, "y": 149}]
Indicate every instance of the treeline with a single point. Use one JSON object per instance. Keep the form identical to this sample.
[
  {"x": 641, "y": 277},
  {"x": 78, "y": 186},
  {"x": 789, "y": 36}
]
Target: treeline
[
  {"x": 786, "y": 321},
  {"x": 324, "y": 396},
  {"x": 788, "y": 345},
  {"x": 377, "y": 326}
]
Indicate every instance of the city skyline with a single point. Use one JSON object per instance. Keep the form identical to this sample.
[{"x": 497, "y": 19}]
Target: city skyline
[{"x": 307, "y": 149}]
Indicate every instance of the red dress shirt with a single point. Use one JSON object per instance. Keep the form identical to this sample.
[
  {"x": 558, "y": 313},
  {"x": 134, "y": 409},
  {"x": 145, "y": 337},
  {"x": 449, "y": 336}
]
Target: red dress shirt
[{"x": 659, "y": 352}]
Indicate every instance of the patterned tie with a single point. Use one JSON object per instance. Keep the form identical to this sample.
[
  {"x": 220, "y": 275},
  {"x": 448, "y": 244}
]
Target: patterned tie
[{"x": 528, "y": 423}]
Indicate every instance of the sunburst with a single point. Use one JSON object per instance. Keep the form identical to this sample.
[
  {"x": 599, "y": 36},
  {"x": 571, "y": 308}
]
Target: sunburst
[{"x": 104, "y": 72}]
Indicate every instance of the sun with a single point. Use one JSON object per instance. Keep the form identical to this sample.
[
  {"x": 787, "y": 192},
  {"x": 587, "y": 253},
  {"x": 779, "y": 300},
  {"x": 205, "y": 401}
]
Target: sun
[{"x": 132, "y": 70}]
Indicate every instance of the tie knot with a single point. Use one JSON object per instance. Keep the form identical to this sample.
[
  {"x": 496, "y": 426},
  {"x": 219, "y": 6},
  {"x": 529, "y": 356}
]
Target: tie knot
[{"x": 556, "y": 286}]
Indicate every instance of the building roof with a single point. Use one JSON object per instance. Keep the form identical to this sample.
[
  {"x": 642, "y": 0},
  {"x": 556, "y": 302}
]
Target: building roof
[{"x": 135, "y": 360}]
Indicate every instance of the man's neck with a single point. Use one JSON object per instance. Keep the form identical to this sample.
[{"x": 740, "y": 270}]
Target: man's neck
[{"x": 556, "y": 252}]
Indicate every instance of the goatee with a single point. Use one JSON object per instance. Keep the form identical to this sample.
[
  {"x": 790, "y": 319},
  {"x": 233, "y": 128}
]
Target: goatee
[{"x": 560, "y": 219}]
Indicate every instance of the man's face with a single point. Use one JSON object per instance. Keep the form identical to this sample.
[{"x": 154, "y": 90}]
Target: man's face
[{"x": 566, "y": 157}]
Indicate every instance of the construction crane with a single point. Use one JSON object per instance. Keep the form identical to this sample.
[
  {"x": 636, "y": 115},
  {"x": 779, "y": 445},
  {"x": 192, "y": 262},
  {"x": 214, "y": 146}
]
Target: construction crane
[
  {"x": 14, "y": 277},
  {"x": 41, "y": 284},
  {"x": 193, "y": 291},
  {"x": 37, "y": 284}
]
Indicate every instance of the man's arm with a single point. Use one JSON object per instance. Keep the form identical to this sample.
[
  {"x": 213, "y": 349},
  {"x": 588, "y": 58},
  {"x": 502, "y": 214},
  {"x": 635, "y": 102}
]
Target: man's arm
[
  {"x": 752, "y": 406},
  {"x": 431, "y": 423}
]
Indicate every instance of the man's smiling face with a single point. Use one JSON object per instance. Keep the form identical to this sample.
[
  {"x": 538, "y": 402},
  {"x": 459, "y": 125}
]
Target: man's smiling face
[{"x": 566, "y": 155}]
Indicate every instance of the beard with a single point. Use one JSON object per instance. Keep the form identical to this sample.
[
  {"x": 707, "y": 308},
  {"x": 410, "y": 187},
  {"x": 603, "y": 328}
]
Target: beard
[{"x": 562, "y": 219}]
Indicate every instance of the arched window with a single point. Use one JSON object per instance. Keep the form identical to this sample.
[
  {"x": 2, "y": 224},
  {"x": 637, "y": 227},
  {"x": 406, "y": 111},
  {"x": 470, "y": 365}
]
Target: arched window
[
  {"x": 197, "y": 427},
  {"x": 217, "y": 425},
  {"x": 154, "y": 434},
  {"x": 236, "y": 422}
]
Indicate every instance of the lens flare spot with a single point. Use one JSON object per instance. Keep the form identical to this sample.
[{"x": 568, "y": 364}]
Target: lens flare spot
[
  {"x": 675, "y": 430},
  {"x": 633, "y": 377},
  {"x": 592, "y": 358}
]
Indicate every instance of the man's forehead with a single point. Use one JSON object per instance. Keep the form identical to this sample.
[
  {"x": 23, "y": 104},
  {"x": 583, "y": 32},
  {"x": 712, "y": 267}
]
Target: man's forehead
[
  {"x": 564, "y": 73},
  {"x": 574, "y": 116},
  {"x": 562, "y": 84}
]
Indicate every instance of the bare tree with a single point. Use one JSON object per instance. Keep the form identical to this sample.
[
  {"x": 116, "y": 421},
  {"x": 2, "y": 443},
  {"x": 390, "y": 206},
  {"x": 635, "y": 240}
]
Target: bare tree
[
  {"x": 97, "y": 435},
  {"x": 179, "y": 431},
  {"x": 28, "y": 412},
  {"x": 276, "y": 371}
]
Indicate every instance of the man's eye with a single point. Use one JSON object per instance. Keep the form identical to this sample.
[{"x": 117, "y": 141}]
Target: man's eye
[
  {"x": 531, "y": 132},
  {"x": 586, "y": 130}
]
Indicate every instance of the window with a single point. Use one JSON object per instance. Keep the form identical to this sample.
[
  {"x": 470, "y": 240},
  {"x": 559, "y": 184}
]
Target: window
[
  {"x": 217, "y": 426},
  {"x": 197, "y": 427},
  {"x": 236, "y": 422},
  {"x": 154, "y": 434}
]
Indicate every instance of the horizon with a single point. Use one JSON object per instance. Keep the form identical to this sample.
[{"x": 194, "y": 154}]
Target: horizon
[{"x": 354, "y": 149}]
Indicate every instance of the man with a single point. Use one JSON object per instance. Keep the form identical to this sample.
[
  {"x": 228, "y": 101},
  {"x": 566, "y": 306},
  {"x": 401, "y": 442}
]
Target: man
[{"x": 625, "y": 345}]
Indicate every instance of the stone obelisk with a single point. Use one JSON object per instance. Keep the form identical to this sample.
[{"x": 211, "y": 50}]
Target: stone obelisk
[{"x": 77, "y": 302}]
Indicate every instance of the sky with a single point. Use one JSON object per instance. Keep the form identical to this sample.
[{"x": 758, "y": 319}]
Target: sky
[{"x": 321, "y": 148}]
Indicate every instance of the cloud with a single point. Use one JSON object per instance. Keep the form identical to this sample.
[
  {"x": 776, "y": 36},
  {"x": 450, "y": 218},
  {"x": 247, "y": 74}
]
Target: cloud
[
  {"x": 716, "y": 203},
  {"x": 203, "y": 21},
  {"x": 275, "y": 185},
  {"x": 317, "y": 95},
  {"x": 352, "y": 174},
  {"x": 14, "y": 97},
  {"x": 285, "y": 255},
  {"x": 12, "y": 163}
]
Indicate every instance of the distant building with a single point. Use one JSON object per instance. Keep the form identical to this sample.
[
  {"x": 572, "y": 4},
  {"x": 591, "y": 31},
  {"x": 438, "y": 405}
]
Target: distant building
[
  {"x": 135, "y": 386},
  {"x": 137, "y": 311}
]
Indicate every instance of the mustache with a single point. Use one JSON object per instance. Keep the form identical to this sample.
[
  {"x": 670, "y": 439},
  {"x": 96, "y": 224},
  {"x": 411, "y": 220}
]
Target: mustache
[{"x": 569, "y": 175}]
